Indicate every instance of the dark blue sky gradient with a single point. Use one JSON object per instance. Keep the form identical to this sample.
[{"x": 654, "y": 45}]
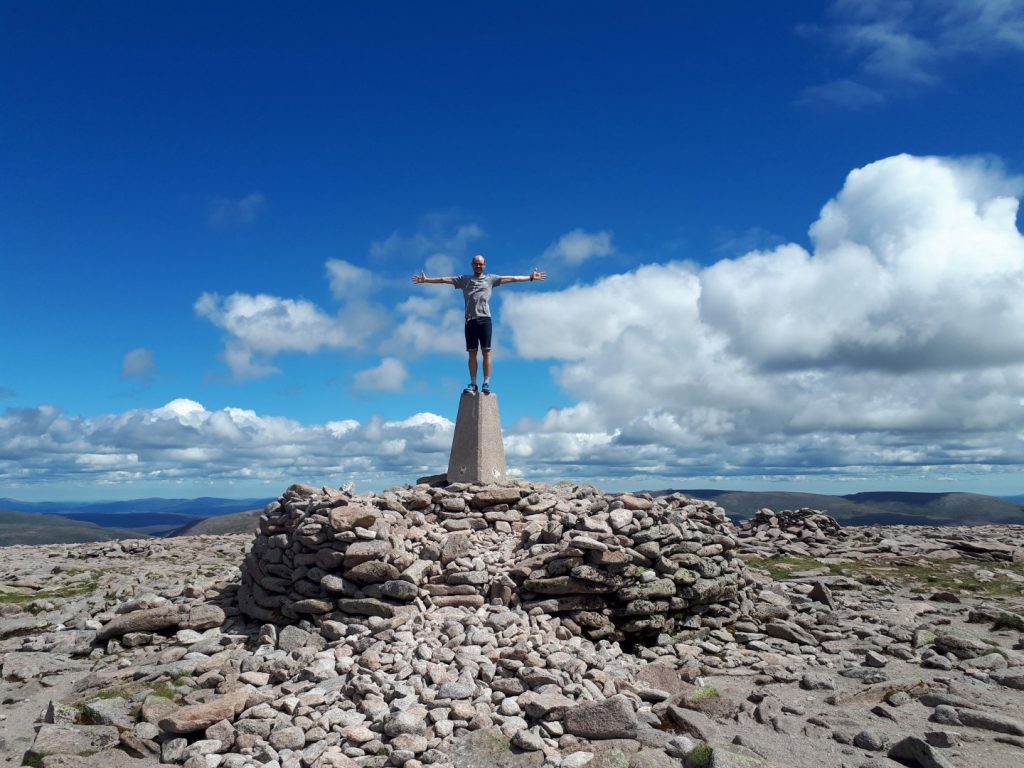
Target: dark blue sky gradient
[{"x": 683, "y": 128}]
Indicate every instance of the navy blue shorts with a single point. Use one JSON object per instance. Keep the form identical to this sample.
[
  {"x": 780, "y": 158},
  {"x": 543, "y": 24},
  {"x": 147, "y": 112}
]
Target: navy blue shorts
[{"x": 478, "y": 333}]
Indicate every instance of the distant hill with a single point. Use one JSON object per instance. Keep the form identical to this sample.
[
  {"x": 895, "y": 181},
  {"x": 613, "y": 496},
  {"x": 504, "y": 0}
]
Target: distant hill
[
  {"x": 58, "y": 522},
  {"x": 203, "y": 506},
  {"x": 154, "y": 523},
  {"x": 874, "y": 508},
  {"x": 37, "y": 528},
  {"x": 66, "y": 522},
  {"x": 240, "y": 522},
  {"x": 153, "y": 515}
]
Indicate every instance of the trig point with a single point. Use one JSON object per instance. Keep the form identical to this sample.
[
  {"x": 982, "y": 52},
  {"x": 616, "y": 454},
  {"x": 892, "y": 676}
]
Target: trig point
[{"x": 478, "y": 455}]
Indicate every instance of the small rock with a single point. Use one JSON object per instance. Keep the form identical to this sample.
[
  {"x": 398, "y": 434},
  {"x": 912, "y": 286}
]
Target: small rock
[
  {"x": 869, "y": 740},
  {"x": 576, "y": 760},
  {"x": 943, "y": 739},
  {"x": 919, "y": 753},
  {"x": 874, "y": 659},
  {"x": 898, "y": 698},
  {"x": 528, "y": 741},
  {"x": 404, "y": 722},
  {"x": 291, "y": 737},
  {"x": 613, "y": 718},
  {"x": 822, "y": 594},
  {"x": 817, "y": 681}
]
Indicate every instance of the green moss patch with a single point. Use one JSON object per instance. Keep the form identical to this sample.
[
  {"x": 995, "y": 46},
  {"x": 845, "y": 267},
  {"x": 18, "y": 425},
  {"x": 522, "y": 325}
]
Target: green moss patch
[
  {"x": 919, "y": 574},
  {"x": 705, "y": 692},
  {"x": 700, "y": 757},
  {"x": 70, "y": 591}
]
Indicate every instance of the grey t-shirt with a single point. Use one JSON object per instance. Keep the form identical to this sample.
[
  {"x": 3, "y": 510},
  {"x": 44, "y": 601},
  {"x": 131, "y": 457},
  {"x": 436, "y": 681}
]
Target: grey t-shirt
[{"x": 477, "y": 293}]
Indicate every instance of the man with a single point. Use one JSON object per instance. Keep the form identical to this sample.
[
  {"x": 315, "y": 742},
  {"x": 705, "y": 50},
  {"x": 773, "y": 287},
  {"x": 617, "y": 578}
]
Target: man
[{"x": 476, "y": 289}]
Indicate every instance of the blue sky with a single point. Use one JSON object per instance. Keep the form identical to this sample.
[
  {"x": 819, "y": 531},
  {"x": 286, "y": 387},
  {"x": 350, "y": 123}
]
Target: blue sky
[{"x": 782, "y": 242}]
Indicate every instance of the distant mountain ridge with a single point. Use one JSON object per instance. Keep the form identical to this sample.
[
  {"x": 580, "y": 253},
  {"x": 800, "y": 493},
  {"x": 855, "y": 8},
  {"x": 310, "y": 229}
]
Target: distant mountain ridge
[
  {"x": 65, "y": 522},
  {"x": 239, "y": 522},
  {"x": 38, "y": 528},
  {"x": 151, "y": 516},
  {"x": 204, "y": 506},
  {"x": 874, "y": 507}
]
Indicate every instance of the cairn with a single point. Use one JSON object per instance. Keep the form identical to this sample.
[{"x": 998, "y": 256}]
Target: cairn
[
  {"x": 802, "y": 532},
  {"x": 618, "y": 567}
]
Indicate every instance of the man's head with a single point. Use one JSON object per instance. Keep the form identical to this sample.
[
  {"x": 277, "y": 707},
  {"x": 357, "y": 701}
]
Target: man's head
[{"x": 478, "y": 264}]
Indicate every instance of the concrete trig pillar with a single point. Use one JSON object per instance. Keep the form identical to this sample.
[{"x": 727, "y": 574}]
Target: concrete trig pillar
[{"x": 478, "y": 455}]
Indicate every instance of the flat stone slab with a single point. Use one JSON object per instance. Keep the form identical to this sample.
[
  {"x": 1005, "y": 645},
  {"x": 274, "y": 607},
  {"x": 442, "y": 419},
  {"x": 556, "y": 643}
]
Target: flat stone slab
[
  {"x": 11, "y": 627},
  {"x": 108, "y": 758},
  {"x": 29, "y": 665},
  {"x": 163, "y": 617},
  {"x": 991, "y": 722},
  {"x": 1011, "y": 677},
  {"x": 199, "y": 717},
  {"x": 735, "y": 756},
  {"x": 74, "y": 739},
  {"x": 489, "y": 748}
]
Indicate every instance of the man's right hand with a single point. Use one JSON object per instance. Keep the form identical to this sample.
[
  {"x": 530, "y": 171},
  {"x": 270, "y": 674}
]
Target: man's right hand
[{"x": 420, "y": 278}]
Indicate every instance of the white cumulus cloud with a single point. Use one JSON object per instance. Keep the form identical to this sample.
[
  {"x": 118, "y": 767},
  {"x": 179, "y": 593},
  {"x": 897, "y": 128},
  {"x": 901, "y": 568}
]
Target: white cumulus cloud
[
  {"x": 898, "y": 340},
  {"x": 389, "y": 376},
  {"x": 258, "y": 327},
  {"x": 428, "y": 324},
  {"x": 577, "y": 246},
  {"x": 183, "y": 441},
  {"x": 138, "y": 363},
  {"x": 349, "y": 281}
]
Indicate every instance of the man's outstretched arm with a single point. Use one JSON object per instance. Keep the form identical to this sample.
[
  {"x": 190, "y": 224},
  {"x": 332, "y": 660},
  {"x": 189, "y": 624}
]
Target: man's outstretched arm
[
  {"x": 535, "y": 275},
  {"x": 422, "y": 278}
]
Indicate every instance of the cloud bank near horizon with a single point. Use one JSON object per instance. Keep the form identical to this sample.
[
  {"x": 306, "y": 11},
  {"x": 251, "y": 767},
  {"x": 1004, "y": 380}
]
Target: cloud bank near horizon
[
  {"x": 897, "y": 340},
  {"x": 895, "y": 343},
  {"x": 183, "y": 441}
]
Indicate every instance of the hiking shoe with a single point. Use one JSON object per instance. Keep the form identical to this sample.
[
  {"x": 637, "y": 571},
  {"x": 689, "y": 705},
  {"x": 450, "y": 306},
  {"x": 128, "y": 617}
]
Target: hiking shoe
[
  {"x": 487, "y": 388},
  {"x": 470, "y": 389}
]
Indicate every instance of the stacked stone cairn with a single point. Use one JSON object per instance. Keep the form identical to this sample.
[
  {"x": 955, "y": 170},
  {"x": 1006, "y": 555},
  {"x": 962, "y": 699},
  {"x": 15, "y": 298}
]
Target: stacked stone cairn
[
  {"x": 625, "y": 568},
  {"x": 791, "y": 531}
]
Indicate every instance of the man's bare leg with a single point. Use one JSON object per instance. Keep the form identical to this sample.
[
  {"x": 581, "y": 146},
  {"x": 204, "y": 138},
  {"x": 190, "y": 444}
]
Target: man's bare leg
[
  {"x": 487, "y": 371},
  {"x": 472, "y": 364}
]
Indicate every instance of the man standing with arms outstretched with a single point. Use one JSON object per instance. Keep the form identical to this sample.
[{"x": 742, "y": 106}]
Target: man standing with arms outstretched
[{"x": 476, "y": 289}]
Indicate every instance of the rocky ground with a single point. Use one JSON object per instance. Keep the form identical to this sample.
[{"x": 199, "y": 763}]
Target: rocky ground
[{"x": 844, "y": 646}]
